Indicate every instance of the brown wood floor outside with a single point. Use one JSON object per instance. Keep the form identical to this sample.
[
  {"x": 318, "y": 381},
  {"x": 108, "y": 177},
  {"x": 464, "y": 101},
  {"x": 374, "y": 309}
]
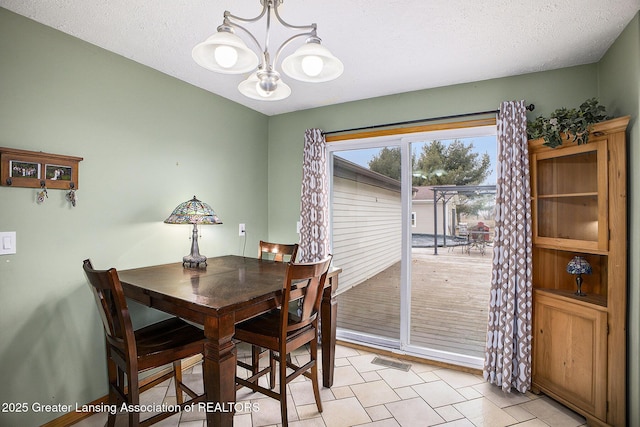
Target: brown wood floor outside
[{"x": 450, "y": 298}]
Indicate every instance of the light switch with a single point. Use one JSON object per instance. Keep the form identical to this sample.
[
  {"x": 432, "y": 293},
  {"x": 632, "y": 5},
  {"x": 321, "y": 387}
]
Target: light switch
[{"x": 7, "y": 242}]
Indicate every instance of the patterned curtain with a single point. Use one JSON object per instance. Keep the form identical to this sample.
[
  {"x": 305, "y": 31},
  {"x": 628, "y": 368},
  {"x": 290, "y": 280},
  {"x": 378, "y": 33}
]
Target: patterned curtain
[
  {"x": 314, "y": 203},
  {"x": 508, "y": 353}
]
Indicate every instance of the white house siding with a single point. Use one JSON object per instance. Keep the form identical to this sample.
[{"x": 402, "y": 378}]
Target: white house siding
[
  {"x": 424, "y": 217},
  {"x": 367, "y": 229},
  {"x": 422, "y": 205}
]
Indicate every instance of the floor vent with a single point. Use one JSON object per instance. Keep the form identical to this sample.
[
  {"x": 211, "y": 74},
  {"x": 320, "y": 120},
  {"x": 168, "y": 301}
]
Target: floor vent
[{"x": 391, "y": 364}]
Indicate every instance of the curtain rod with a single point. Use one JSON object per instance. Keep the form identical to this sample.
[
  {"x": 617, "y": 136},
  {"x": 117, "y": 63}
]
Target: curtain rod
[{"x": 529, "y": 107}]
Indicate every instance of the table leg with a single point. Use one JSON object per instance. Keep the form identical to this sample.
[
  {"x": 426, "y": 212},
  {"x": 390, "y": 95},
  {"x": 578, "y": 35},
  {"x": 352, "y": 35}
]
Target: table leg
[
  {"x": 219, "y": 370},
  {"x": 328, "y": 319}
]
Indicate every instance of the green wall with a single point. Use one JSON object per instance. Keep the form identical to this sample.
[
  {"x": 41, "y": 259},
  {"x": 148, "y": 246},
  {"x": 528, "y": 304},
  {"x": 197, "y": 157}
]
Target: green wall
[
  {"x": 619, "y": 80},
  {"x": 149, "y": 142}
]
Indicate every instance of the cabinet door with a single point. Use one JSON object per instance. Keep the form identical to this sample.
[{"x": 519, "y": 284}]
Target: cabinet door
[
  {"x": 570, "y": 352},
  {"x": 570, "y": 197}
]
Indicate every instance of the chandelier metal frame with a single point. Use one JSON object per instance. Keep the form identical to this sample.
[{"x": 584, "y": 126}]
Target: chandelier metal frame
[{"x": 311, "y": 62}]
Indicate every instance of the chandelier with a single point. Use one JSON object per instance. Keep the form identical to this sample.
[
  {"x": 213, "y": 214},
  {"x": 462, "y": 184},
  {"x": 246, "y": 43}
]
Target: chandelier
[{"x": 225, "y": 52}]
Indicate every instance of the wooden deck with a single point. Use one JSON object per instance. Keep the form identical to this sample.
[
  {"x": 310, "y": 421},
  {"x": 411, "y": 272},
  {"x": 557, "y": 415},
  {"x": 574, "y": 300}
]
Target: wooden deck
[{"x": 450, "y": 298}]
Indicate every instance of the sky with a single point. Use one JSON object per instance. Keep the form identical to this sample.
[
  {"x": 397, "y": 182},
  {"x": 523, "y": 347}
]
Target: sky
[{"x": 486, "y": 144}]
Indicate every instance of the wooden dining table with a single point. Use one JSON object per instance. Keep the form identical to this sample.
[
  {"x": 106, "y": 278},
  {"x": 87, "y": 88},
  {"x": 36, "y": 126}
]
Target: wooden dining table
[{"x": 227, "y": 291}]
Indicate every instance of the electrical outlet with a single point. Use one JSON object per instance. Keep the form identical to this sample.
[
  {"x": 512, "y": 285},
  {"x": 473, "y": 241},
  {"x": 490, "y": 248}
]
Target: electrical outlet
[{"x": 241, "y": 230}]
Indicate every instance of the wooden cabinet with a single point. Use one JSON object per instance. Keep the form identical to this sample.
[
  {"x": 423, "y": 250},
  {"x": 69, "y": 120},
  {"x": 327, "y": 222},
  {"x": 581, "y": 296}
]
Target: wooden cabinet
[
  {"x": 571, "y": 350},
  {"x": 579, "y": 203}
]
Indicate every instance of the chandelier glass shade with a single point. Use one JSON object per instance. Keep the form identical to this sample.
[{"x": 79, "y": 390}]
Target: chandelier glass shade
[
  {"x": 312, "y": 63},
  {"x": 225, "y": 52}
]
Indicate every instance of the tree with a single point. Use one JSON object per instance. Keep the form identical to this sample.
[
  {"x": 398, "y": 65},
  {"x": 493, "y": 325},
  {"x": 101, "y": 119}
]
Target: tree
[
  {"x": 478, "y": 205},
  {"x": 438, "y": 164},
  {"x": 387, "y": 162},
  {"x": 455, "y": 164}
]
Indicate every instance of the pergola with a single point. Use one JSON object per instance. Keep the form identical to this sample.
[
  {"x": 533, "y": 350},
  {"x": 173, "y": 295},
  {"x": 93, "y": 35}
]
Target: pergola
[{"x": 445, "y": 193}]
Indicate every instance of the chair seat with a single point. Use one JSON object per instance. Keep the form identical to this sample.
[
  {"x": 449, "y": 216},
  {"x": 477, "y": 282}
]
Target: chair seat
[
  {"x": 265, "y": 324},
  {"x": 263, "y": 330},
  {"x": 174, "y": 336},
  {"x": 165, "y": 335}
]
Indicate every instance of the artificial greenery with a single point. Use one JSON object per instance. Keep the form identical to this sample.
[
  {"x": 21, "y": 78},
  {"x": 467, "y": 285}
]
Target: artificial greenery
[{"x": 574, "y": 123}]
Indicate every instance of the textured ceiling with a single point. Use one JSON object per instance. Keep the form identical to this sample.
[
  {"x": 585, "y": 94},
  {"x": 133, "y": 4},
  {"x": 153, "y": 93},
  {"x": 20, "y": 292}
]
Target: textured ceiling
[{"x": 387, "y": 47}]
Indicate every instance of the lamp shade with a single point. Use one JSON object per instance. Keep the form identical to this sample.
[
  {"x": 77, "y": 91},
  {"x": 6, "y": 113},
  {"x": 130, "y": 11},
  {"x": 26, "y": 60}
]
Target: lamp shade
[
  {"x": 226, "y": 53},
  {"x": 579, "y": 265},
  {"x": 312, "y": 63},
  {"x": 193, "y": 212}
]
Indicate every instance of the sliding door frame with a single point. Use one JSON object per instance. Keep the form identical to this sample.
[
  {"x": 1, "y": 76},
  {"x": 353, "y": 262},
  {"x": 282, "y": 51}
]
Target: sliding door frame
[{"x": 403, "y": 138}]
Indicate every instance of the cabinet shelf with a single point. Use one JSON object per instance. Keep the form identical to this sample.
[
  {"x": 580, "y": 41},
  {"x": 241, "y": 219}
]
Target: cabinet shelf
[
  {"x": 570, "y": 296},
  {"x": 565, "y": 244},
  {"x": 568, "y": 195}
]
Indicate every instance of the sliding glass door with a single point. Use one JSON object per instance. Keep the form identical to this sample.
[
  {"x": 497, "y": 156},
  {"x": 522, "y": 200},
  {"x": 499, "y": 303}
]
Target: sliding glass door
[
  {"x": 367, "y": 236},
  {"x": 412, "y": 280},
  {"x": 451, "y": 221}
]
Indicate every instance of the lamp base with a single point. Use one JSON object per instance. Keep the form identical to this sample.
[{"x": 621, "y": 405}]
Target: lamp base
[
  {"x": 194, "y": 261},
  {"x": 579, "y": 283}
]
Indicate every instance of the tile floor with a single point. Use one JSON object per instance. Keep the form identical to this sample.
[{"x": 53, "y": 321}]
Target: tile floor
[{"x": 367, "y": 394}]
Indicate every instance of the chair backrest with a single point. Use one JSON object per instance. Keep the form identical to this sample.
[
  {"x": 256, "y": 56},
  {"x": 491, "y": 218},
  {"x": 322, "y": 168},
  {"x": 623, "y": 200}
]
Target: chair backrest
[
  {"x": 277, "y": 251},
  {"x": 303, "y": 282},
  {"x": 113, "y": 309}
]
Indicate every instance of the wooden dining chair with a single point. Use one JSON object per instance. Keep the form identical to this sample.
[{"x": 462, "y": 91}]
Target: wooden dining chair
[
  {"x": 277, "y": 251},
  {"x": 132, "y": 351},
  {"x": 283, "y": 332}
]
